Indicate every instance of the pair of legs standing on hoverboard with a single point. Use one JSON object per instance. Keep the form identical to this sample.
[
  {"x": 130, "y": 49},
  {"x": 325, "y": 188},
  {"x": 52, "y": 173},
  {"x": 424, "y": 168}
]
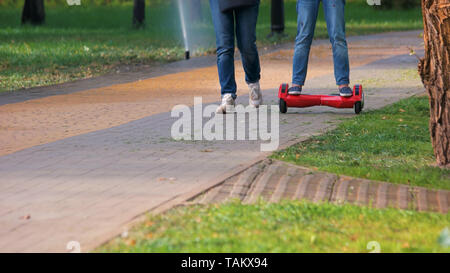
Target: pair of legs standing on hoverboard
[{"x": 243, "y": 21}]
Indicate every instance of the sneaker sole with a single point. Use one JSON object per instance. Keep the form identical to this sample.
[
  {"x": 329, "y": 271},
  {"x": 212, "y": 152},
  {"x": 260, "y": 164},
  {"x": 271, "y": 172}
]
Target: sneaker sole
[{"x": 255, "y": 103}]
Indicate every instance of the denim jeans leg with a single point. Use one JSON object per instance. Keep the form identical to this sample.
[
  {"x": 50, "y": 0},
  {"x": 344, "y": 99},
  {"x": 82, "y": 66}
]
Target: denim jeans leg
[
  {"x": 224, "y": 29},
  {"x": 246, "y": 19},
  {"x": 334, "y": 16},
  {"x": 306, "y": 22}
]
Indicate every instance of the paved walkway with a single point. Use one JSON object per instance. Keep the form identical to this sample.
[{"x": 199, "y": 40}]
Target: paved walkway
[
  {"x": 274, "y": 180},
  {"x": 84, "y": 107},
  {"x": 99, "y": 173}
]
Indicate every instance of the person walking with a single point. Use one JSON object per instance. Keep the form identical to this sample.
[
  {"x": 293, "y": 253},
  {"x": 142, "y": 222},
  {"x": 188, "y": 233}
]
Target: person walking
[{"x": 240, "y": 17}]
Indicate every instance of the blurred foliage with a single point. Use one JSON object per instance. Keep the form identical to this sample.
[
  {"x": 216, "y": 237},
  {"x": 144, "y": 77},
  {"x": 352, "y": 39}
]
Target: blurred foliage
[
  {"x": 385, "y": 4},
  {"x": 16, "y": 3},
  {"x": 398, "y": 4}
]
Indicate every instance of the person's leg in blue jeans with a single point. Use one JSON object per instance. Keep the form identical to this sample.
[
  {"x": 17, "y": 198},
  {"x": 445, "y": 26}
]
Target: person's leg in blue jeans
[
  {"x": 334, "y": 15},
  {"x": 224, "y": 29},
  {"x": 306, "y": 22},
  {"x": 307, "y": 16},
  {"x": 246, "y": 19}
]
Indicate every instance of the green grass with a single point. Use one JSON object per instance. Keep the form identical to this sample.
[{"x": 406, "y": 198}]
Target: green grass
[
  {"x": 79, "y": 42},
  {"x": 284, "y": 227},
  {"x": 391, "y": 144}
]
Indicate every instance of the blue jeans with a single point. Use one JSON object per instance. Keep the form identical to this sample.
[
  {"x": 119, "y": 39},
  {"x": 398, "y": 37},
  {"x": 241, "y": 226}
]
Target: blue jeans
[
  {"x": 224, "y": 26},
  {"x": 307, "y": 11}
]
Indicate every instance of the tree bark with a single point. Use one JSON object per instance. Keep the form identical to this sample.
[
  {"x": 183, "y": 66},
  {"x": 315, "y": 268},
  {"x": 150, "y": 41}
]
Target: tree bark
[
  {"x": 33, "y": 12},
  {"x": 139, "y": 13},
  {"x": 434, "y": 70}
]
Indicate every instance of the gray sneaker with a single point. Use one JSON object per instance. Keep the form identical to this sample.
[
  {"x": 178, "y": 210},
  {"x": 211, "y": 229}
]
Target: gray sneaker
[
  {"x": 227, "y": 105},
  {"x": 254, "y": 96},
  {"x": 346, "y": 92}
]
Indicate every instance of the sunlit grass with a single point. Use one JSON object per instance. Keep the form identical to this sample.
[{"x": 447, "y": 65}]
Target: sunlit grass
[
  {"x": 288, "y": 226},
  {"x": 391, "y": 144}
]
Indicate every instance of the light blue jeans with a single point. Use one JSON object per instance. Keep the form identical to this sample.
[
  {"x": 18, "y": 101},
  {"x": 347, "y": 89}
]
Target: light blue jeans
[
  {"x": 307, "y": 11},
  {"x": 242, "y": 22}
]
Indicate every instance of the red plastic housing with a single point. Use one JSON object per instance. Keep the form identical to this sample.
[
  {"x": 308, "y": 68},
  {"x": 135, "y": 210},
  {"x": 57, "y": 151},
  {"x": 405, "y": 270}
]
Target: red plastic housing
[{"x": 325, "y": 100}]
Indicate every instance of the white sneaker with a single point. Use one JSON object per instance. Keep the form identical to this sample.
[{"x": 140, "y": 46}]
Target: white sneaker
[
  {"x": 255, "y": 96},
  {"x": 227, "y": 105}
]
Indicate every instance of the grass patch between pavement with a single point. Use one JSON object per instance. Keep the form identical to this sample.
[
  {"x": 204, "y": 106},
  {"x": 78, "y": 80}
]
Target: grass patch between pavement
[
  {"x": 390, "y": 144},
  {"x": 284, "y": 227}
]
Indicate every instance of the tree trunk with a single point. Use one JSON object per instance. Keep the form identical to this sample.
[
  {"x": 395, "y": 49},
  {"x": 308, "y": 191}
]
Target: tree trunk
[
  {"x": 277, "y": 16},
  {"x": 139, "y": 13},
  {"x": 434, "y": 70},
  {"x": 33, "y": 12}
]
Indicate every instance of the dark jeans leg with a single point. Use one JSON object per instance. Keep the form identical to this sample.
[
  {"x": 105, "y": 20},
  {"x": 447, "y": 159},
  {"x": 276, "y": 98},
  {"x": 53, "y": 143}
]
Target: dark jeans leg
[
  {"x": 334, "y": 15},
  {"x": 246, "y": 19},
  {"x": 307, "y": 11},
  {"x": 224, "y": 29}
]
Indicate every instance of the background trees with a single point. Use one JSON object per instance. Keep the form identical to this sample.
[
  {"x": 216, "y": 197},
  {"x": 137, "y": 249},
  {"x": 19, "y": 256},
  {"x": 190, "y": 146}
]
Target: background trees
[
  {"x": 33, "y": 12},
  {"x": 139, "y": 13}
]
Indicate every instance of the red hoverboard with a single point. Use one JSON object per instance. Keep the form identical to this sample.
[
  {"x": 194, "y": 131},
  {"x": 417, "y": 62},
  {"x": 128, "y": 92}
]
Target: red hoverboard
[{"x": 356, "y": 101}]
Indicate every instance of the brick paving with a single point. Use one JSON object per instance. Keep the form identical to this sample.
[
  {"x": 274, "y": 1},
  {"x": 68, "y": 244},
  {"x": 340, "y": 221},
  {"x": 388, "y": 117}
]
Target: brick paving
[
  {"x": 273, "y": 181},
  {"x": 88, "y": 187}
]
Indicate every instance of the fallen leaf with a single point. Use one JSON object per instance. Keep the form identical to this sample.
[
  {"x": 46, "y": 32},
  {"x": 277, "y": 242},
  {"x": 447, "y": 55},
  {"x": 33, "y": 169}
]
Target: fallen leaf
[
  {"x": 130, "y": 242},
  {"x": 402, "y": 110},
  {"x": 26, "y": 217}
]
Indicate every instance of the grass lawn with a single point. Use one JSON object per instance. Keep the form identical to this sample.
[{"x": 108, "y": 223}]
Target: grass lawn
[
  {"x": 84, "y": 41},
  {"x": 390, "y": 144},
  {"x": 284, "y": 227}
]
